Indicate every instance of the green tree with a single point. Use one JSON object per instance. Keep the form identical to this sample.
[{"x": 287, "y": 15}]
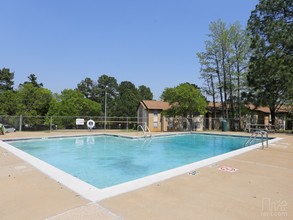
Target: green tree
[
  {"x": 72, "y": 103},
  {"x": 186, "y": 100},
  {"x": 224, "y": 65},
  {"x": 6, "y": 80},
  {"x": 270, "y": 74},
  {"x": 128, "y": 99},
  {"x": 33, "y": 80},
  {"x": 145, "y": 93},
  {"x": 89, "y": 88},
  {"x": 33, "y": 101},
  {"x": 240, "y": 43},
  {"x": 109, "y": 85},
  {"x": 9, "y": 103}
]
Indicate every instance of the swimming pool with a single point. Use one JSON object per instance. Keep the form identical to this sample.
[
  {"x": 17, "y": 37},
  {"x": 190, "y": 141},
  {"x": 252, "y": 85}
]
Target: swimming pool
[{"x": 104, "y": 161}]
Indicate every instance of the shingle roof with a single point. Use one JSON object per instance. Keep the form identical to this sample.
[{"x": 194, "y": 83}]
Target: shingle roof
[
  {"x": 265, "y": 109},
  {"x": 252, "y": 107},
  {"x": 217, "y": 104},
  {"x": 152, "y": 104}
]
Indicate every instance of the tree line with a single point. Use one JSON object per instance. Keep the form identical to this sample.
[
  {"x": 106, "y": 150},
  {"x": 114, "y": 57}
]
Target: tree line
[
  {"x": 251, "y": 65},
  {"x": 224, "y": 66},
  {"x": 88, "y": 98}
]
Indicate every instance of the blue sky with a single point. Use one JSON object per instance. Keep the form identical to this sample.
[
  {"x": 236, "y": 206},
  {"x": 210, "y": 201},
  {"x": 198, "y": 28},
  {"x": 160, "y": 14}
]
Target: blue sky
[{"x": 147, "y": 42}]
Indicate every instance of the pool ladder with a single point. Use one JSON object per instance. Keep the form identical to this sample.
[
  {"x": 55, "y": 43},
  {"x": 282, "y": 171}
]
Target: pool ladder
[
  {"x": 254, "y": 136},
  {"x": 144, "y": 129}
]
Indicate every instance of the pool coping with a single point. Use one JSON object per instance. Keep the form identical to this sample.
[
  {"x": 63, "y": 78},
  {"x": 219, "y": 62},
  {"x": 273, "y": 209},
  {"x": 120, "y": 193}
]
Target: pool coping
[{"x": 95, "y": 194}]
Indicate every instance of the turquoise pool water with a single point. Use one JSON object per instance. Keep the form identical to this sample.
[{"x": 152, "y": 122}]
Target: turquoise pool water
[{"x": 104, "y": 161}]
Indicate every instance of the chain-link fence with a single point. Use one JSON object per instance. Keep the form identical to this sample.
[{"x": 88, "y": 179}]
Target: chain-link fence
[
  {"x": 246, "y": 124},
  {"x": 41, "y": 123},
  {"x": 51, "y": 123}
]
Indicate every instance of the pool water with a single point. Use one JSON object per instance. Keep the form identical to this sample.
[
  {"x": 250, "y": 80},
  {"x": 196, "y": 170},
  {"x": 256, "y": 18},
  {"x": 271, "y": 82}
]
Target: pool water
[{"x": 104, "y": 161}]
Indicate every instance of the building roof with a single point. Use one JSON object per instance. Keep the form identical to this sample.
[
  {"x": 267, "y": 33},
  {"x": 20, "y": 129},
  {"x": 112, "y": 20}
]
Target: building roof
[
  {"x": 264, "y": 109},
  {"x": 154, "y": 105},
  {"x": 217, "y": 105}
]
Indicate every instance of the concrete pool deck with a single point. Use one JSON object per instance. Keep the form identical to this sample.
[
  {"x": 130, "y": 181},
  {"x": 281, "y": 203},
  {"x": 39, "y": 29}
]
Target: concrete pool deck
[{"x": 261, "y": 188}]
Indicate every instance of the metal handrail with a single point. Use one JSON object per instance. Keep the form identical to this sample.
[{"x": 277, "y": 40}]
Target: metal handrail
[
  {"x": 139, "y": 126},
  {"x": 144, "y": 130},
  {"x": 255, "y": 134},
  {"x": 147, "y": 128}
]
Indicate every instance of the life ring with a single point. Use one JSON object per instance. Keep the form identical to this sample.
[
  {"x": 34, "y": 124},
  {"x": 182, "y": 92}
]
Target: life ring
[{"x": 90, "y": 124}]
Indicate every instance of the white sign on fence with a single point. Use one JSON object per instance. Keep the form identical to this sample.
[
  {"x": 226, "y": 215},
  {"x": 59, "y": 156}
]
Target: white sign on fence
[{"x": 79, "y": 121}]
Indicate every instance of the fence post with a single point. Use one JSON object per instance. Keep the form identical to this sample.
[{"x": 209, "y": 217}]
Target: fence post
[
  {"x": 50, "y": 123},
  {"x": 127, "y": 124},
  {"x": 20, "y": 123}
]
